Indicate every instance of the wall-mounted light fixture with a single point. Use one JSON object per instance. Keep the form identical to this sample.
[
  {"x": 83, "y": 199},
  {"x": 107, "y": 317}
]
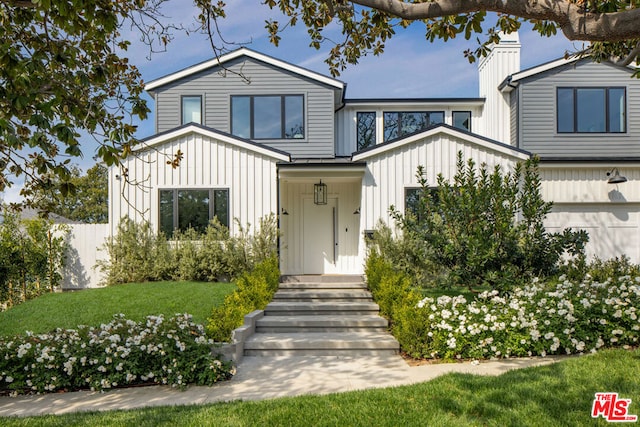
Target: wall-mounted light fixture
[
  {"x": 320, "y": 193},
  {"x": 615, "y": 177},
  {"x": 284, "y": 212},
  {"x": 357, "y": 211}
]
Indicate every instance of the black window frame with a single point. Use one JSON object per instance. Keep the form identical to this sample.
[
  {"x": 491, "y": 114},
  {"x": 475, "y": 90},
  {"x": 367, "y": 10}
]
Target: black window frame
[
  {"x": 283, "y": 118},
  {"x": 182, "y": 99},
  {"x": 575, "y": 90},
  {"x": 359, "y": 145},
  {"x": 176, "y": 212},
  {"x": 399, "y": 133},
  {"x": 433, "y": 194},
  {"x": 453, "y": 118}
]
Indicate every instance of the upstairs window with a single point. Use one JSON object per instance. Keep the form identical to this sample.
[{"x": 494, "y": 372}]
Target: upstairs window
[
  {"x": 268, "y": 116},
  {"x": 398, "y": 124},
  {"x": 183, "y": 209},
  {"x": 462, "y": 120},
  {"x": 366, "y": 130},
  {"x": 191, "y": 109},
  {"x": 591, "y": 110}
]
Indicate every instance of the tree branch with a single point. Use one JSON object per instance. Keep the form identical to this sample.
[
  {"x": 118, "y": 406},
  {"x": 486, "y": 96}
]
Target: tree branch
[{"x": 573, "y": 20}]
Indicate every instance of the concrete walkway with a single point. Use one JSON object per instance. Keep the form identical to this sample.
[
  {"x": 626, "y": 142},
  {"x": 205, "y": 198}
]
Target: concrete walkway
[{"x": 260, "y": 378}]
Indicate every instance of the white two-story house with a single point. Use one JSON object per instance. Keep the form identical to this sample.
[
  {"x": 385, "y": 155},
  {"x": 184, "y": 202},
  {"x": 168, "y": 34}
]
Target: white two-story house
[{"x": 258, "y": 136}]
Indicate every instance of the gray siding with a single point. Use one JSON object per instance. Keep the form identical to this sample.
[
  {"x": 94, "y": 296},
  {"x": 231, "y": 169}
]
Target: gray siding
[
  {"x": 216, "y": 87},
  {"x": 537, "y": 126}
]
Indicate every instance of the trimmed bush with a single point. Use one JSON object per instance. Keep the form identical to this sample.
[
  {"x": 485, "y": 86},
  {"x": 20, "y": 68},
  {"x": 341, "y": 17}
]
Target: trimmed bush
[
  {"x": 137, "y": 254},
  {"x": 390, "y": 288},
  {"x": 254, "y": 291},
  {"x": 172, "y": 351}
]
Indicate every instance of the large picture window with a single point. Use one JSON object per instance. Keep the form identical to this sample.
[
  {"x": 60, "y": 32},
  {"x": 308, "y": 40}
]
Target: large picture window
[
  {"x": 191, "y": 109},
  {"x": 591, "y": 110},
  {"x": 398, "y": 124},
  {"x": 182, "y": 209},
  {"x": 268, "y": 116},
  {"x": 366, "y": 130}
]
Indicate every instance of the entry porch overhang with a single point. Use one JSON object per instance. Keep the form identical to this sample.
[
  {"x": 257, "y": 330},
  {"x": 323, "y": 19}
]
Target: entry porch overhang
[{"x": 325, "y": 237}]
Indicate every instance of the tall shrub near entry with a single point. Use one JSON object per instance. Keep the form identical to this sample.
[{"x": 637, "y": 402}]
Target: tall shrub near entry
[{"x": 486, "y": 227}]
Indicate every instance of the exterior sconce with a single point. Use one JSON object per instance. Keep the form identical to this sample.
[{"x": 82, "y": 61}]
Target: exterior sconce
[
  {"x": 615, "y": 177},
  {"x": 357, "y": 211},
  {"x": 320, "y": 193},
  {"x": 284, "y": 212}
]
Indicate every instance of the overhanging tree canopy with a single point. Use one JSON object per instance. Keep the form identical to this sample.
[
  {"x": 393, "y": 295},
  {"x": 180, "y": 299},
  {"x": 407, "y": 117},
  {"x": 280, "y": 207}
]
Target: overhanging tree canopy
[{"x": 63, "y": 65}]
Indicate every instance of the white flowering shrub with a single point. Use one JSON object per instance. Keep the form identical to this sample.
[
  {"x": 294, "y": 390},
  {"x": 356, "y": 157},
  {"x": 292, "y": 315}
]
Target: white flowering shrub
[
  {"x": 534, "y": 320},
  {"x": 174, "y": 351}
]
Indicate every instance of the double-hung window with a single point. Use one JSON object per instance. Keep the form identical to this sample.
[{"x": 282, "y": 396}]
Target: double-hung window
[
  {"x": 191, "y": 109},
  {"x": 591, "y": 109},
  {"x": 181, "y": 209},
  {"x": 401, "y": 123},
  {"x": 268, "y": 116}
]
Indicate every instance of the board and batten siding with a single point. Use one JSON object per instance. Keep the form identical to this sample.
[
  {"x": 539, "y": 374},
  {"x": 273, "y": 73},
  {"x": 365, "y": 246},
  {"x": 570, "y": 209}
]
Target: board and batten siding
[
  {"x": 582, "y": 199},
  {"x": 216, "y": 87},
  {"x": 537, "y": 130},
  {"x": 588, "y": 184},
  {"x": 389, "y": 173},
  {"x": 250, "y": 178}
]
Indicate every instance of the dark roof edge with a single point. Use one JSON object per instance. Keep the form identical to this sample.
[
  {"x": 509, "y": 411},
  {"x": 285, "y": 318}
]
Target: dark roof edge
[
  {"x": 446, "y": 126},
  {"x": 409, "y": 100},
  {"x": 208, "y": 129}
]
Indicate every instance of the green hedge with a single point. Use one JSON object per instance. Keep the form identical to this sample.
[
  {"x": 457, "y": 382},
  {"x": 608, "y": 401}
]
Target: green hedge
[
  {"x": 254, "y": 291},
  {"x": 138, "y": 254}
]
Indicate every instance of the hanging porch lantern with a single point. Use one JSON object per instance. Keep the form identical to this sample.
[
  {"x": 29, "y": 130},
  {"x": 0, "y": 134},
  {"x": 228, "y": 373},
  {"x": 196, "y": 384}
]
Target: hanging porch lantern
[{"x": 320, "y": 193}]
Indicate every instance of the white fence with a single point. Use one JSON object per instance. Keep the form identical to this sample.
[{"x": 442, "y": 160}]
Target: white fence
[{"x": 85, "y": 249}]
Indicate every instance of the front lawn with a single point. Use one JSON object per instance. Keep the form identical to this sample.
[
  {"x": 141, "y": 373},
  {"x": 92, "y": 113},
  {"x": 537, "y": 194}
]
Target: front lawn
[
  {"x": 555, "y": 395},
  {"x": 96, "y": 306}
]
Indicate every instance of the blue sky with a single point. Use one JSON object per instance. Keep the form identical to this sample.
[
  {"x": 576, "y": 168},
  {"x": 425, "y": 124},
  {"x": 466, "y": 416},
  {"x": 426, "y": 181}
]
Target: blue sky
[{"x": 409, "y": 67}]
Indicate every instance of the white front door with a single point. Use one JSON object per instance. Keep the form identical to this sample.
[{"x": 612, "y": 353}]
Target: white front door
[{"x": 320, "y": 245}]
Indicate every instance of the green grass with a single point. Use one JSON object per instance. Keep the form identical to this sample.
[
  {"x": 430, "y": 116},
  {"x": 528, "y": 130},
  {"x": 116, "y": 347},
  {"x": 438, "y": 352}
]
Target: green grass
[
  {"x": 555, "y": 395},
  {"x": 95, "y": 306}
]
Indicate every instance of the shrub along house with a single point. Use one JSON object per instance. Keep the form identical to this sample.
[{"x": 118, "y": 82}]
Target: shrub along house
[{"x": 258, "y": 135}]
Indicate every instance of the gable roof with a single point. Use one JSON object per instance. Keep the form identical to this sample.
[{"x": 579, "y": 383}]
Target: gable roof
[
  {"x": 244, "y": 52},
  {"x": 447, "y": 130},
  {"x": 214, "y": 134},
  {"x": 512, "y": 81}
]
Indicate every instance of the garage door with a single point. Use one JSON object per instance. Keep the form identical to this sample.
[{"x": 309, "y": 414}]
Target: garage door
[{"x": 613, "y": 229}]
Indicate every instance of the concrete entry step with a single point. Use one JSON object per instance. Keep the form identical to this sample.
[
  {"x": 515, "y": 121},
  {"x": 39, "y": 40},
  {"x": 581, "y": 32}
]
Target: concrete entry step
[
  {"x": 322, "y": 278},
  {"x": 321, "y": 323},
  {"x": 328, "y": 295},
  {"x": 321, "y": 315},
  {"x": 289, "y": 308},
  {"x": 321, "y": 343},
  {"x": 322, "y": 285}
]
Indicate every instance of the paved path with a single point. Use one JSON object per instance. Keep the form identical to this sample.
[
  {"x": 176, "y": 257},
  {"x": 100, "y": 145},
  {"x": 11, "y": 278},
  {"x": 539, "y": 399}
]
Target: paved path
[{"x": 264, "y": 378}]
